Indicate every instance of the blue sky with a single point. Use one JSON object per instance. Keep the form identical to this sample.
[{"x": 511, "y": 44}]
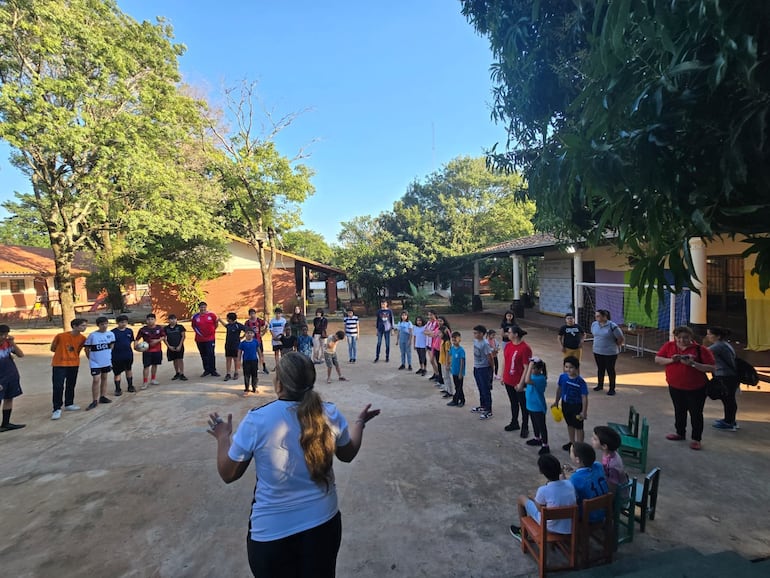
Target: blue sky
[{"x": 396, "y": 88}]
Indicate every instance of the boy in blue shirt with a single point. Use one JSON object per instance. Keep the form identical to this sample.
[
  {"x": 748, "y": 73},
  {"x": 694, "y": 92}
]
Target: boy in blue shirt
[
  {"x": 122, "y": 354},
  {"x": 588, "y": 477},
  {"x": 305, "y": 343},
  {"x": 248, "y": 355},
  {"x": 572, "y": 391},
  {"x": 457, "y": 367}
]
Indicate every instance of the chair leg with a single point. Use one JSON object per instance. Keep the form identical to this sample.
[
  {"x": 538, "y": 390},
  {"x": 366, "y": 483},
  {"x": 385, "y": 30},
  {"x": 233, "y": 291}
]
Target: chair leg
[{"x": 643, "y": 518}]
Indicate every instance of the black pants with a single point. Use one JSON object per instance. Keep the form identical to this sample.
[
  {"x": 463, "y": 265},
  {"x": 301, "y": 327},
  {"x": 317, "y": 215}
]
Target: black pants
[
  {"x": 605, "y": 363},
  {"x": 206, "y": 349},
  {"x": 250, "y": 373},
  {"x": 729, "y": 401},
  {"x": 539, "y": 428},
  {"x": 459, "y": 396},
  {"x": 308, "y": 554},
  {"x": 64, "y": 379},
  {"x": 692, "y": 402},
  {"x": 436, "y": 354},
  {"x": 518, "y": 401}
]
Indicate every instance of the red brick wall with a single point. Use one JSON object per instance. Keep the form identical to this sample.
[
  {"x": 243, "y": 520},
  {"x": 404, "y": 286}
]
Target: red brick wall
[{"x": 237, "y": 291}]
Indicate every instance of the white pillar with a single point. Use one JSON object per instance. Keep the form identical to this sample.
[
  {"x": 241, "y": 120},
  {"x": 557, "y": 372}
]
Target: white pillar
[
  {"x": 525, "y": 275},
  {"x": 698, "y": 302},
  {"x": 516, "y": 278},
  {"x": 577, "y": 274},
  {"x": 476, "y": 280}
]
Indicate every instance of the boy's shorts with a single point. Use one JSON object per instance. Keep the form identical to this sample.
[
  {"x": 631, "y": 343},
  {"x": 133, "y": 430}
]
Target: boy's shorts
[
  {"x": 152, "y": 358},
  {"x": 99, "y": 370},
  {"x": 121, "y": 365},
  {"x": 231, "y": 351},
  {"x": 277, "y": 347},
  {"x": 570, "y": 411},
  {"x": 331, "y": 359},
  {"x": 174, "y": 355}
]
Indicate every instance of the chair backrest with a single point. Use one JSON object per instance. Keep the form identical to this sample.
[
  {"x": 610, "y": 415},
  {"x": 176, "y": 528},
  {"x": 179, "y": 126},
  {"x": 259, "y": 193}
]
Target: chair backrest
[
  {"x": 633, "y": 421},
  {"x": 645, "y": 432},
  {"x": 560, "y": 513},
  {"x": 603, "y": 503},
  {"x": 623, "y": 508},
  {"x": 651, "y": 481}
]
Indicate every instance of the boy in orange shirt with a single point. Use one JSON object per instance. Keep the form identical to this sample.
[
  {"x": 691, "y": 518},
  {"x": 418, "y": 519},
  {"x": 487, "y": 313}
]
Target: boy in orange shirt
[{"x": 66, "y": 349}]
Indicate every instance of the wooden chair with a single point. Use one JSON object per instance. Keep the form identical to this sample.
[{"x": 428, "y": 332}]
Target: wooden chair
[
  {"x": 646, "y": 497},
  {"x": 623, "y": 512},
  {"x": 634, "y": 449},
  {"x": 631, "y": 428},
  {"x": 536, "y": 540},
  {"x": 600, "y": 532}
]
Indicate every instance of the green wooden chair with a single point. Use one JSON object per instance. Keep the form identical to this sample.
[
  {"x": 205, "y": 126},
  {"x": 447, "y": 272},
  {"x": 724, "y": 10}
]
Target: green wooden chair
[
  {"x": 623, "y": 512},
  {"x": 631, "y": 428},
  {"x": 634, "y": 449},
  {"x": 646, "y": 498}
]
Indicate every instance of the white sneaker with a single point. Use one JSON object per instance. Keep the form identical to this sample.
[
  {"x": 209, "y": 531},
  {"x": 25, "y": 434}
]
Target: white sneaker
[
  {"x": 56, "y": 414},
  {"x": 154, "y": 382},
  {"x": 72, "y": 407},
  {"x": 143, "y": 386}
]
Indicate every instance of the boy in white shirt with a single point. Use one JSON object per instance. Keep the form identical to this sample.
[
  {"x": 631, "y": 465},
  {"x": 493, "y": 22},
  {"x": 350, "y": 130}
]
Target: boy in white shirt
[{"x": 99, "y": 353}]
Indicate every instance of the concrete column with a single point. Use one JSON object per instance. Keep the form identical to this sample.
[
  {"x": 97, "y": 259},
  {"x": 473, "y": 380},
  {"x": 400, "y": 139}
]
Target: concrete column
[
  {"x": 476, "y": 279},
  {"x": 524, "y": 275},
  {"x": 698, "y": 302},
  {"x": 516, "y": 277}
]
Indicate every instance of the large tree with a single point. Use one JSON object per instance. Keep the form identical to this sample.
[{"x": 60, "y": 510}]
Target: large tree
[
  {"x": 652, "y": 126},
  {"x": 308, "y": 244},
  {"x": 262, "y": 188},
  {"x": 90, "y": 105}
]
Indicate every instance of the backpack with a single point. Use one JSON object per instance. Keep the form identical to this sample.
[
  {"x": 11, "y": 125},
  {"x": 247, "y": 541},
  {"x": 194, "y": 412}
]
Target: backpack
[{"x": 746, "y": 372}]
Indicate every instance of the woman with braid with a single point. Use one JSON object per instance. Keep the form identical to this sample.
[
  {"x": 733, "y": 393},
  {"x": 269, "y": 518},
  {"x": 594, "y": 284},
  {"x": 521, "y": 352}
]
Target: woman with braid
[{"x": 295, "y": 526}]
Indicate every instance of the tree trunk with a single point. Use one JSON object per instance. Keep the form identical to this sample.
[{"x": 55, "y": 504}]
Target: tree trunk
[
  {"x": 63, "y": 259},
  {"x": 266, "y": 267}
]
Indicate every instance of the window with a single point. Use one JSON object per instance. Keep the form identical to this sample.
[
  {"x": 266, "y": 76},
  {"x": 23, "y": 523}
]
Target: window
[{"x": 17, "y": 285}]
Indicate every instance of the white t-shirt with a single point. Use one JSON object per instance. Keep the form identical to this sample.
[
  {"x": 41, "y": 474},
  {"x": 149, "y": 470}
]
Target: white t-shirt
[
  {"x": 554, "y": 495},
  {"x": 286, "y": 500},
  {"x": 420, "y": 340},
  {"x": 276, "y": 327},
  {"x": 99, "y": 352}
]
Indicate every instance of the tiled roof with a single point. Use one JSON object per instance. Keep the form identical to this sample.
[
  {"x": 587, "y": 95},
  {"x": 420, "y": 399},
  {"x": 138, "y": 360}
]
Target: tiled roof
[{"x": 18, "y": 260}]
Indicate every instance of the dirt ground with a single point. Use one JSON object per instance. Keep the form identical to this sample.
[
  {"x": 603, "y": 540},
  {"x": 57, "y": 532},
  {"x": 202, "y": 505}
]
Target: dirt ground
[{"x": 131, "y": 489}]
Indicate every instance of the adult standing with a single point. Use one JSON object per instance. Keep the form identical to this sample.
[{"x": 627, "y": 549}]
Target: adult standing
[
  {"x": 608, "y": 339},
  {"x": 384, "y": 326},
  {"x": 204, "y": 324},
  {"x": 320, "y": 324},
  {"x": 686, "y": 365},
  {"x": 516, "y": 356},
  {"x": 295, "y": 525},
  {"x": 297, "y": 320},
  {"x": 571, "y": 337},
  {"x": 727, "y": 373}
]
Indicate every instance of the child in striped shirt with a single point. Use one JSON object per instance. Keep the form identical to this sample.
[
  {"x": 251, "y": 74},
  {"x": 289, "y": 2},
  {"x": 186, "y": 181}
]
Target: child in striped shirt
[{"x": 351, "y": 332}]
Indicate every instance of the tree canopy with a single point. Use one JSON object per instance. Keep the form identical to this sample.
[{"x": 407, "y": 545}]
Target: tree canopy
[{"x": 645, "y": 120}]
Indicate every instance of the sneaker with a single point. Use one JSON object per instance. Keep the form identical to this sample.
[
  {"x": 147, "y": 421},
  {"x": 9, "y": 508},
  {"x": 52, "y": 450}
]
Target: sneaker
[
  {"x": 103, "y": 399},
  {"x": 144, "y": 385},
  {"x": 72, "y": 407},
  {"x": 524, "y": 433},
  {"x": 92, "y": 405},
  {"x": 118, "y": 392},
  {"x": 611, "y": 392},
  {"x": 486, "y": 415},
  {"x": 12, "y": 426},
  {"x": 154, "y": 382},
  {"x": 534, "y": 442},
  {"x": 205, "y": 373},
  {"x": 227, "y": 377},
  {"x": 215, "y": 374},
  {"x": 401, "y": 367},
  {"x": 460, "y": 404},
  {"x": 387, "y": 360},
  {"x": 695, "y": 445},
  {"x": 176, "y": 376},
  {"x": 672, "y": 437},
  {"x": 409, "y": 368},
  {"x": 453, "y": 403},
  {"x": 566, "y": 447},
  {"x": 265, "y": 371},
  {"x": 245, "y": 392},
  {"x": 235, "y": 375},
  {"x": 433, "y": 377},
  {"x": 544, "y": 450},
  {"x": 477, "y": 409},
  {"x": 446, "y": 394},
  {"x": 513, "y": 426},
  {"x": 132, "y": 389},
  {"x": 515, "y": 532},
  {"x": 723, "y": 425},
  {"x": 56, "y": 414},
  {"x": 599, "y": 388},
  {"x": 418, "y": 372},
  {"x": 182, "y": 377},
  {"x": 376, "y": 359}
]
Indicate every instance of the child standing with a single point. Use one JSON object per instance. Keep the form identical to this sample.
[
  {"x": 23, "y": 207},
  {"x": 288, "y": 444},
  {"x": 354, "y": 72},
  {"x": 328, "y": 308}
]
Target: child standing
[
  {"x": 175, "y": 334},
  {"x": 555, "y": 493},
  {"x": 571, "y": 337},
  {"x": 259, "y": 326},
  {"x": 607, "y": 441},
  {"x": 99, "y": 353},
  {"x": 457, "y": 355},
  {"x": 305, "y": 343},
  {"x": 536, "y": 380},
  {"x": 66, "y": 349},
  {"x": 494, "y": 343},
  {"x": 288, "y": 341},
  {"x": 516, "y": 356},
  {"x": 153, "y": 357},
  {"x": 276, "y": 327},
  {"x": 405, "y": 331},
  {"x": 482, "y": 371},
  {"x": 351, "y": 333},
  {"x": 10, "y": 382},
  {"x": 233, "y": 332},
  {"x": 330, "y": 356},
  {"x": 248, "y": 354},
  {"x": 123, "y": 354},
  {"x": 420, "y": 344},
  {"x": 320, "y": 324},
  {"x": 572, "y": 391}
]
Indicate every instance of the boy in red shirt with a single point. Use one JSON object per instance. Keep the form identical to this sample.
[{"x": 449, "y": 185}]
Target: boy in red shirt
[
  {"x": 153, "y": 357},
  {"x": 204, "y": 323}
]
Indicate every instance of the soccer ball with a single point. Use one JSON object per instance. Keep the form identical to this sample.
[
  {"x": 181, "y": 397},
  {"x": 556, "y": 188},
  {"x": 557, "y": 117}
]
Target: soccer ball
[{"x": 142, "y": 346}]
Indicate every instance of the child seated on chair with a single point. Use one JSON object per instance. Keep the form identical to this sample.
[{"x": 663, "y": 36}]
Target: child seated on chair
[
  {"x": 607, "y": 441},
  {"x": 554, "y": 494},
  {"x": 588, "y": 478}
]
